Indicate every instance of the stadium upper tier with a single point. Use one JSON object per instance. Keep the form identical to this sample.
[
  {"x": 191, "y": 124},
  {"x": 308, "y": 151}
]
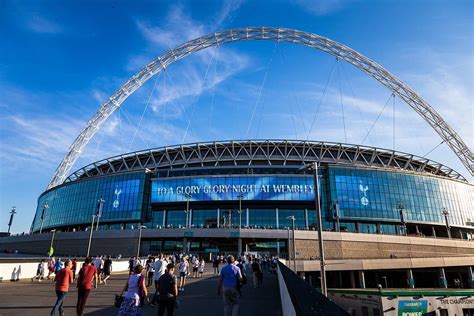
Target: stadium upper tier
[{"x": 263, "y": 153}]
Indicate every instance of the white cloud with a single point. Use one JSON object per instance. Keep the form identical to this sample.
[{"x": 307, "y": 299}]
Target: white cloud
[
  {"x": 40, "y": 24},
  {"x": 321, "y": 7}
]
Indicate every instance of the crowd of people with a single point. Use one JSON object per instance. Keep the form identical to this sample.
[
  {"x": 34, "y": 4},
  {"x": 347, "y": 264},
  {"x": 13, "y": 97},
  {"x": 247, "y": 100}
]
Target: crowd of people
[{"x": 166, "y": 273}]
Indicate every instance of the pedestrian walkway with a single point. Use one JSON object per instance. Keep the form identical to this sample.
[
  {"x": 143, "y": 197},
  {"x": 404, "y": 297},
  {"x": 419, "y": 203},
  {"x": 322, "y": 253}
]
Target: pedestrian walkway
[{"x": 199, "y": 298}]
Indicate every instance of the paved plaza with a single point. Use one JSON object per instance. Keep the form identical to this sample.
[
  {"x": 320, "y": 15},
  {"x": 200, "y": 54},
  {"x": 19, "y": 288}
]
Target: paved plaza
[{"x": 200, "y": 298}]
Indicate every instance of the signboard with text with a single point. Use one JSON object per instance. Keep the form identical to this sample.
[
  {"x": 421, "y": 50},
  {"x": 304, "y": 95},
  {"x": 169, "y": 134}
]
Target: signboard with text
[{"x": 300, "y": 188}]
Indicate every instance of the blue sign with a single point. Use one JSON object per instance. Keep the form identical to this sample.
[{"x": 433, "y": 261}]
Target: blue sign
[
  {"x": 233, "y": 188},
  {"x": 412, "y": 308}
]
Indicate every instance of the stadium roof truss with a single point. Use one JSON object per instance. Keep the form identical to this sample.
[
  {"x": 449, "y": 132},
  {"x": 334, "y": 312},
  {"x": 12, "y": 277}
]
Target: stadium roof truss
[
  {"x": 262, "y": 153},
  {"x": 420, "y": 106}
]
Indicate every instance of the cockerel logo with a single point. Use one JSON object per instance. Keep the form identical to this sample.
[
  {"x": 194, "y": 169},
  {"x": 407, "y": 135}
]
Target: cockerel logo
[
  {"x": 363, "y": 189},
  {"x": 117, "y": 195}
]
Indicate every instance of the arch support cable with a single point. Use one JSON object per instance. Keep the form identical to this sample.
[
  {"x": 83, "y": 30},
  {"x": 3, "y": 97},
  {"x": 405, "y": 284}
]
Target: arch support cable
[{"x": 311, "y": 40}]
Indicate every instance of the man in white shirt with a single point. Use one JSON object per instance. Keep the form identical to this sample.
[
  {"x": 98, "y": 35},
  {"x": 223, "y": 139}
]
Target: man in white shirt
[{"x": 160, "y": 269}]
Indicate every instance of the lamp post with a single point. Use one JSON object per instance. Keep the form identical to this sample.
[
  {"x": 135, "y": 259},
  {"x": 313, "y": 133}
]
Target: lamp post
[
  {"x": 12, "y": 212},
  {"x": 187, "y": 196},
  {"x": 51, "y": 250},
  {"x": 292, "y": 218},
  {"x": 230, "y": 218},
  {"x": 403, "y": 221},
  {"x": 43, "y": 214},
  {"x": 446, "y": 220},
  {"x": 98, "y": 214},
  {"x": 90, "y": 236},
  {"x": 139, "y": 239},
  {"x": 240, "y": 196},
  {"x": 317, "y": 201}
]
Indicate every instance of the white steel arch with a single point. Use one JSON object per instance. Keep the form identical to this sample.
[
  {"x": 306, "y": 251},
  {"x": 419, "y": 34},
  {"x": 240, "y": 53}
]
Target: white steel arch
[{"x": 452, "y": 139}]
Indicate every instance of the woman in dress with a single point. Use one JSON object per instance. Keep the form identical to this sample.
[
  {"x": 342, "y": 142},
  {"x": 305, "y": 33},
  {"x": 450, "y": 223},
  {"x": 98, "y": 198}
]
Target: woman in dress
[{"x": 135, "y": 295}]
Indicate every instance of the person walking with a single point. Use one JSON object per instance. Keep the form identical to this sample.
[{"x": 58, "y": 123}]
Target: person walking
[
  {"x": 74, "y": 268},
  {"x": 39, "y": 271},
  {"x": 87, "y": 274},
  {"x": 107, "y": 269},
  {"x": 58, "y": 265},
  {"x": 160, "y": 269},
  {"x": 228, "y": 281},
  {"x": 195, "y": 263},
  {"x": 215, "y": 265},
  {"x": 51, "y": 263},
  {"x": 150, "y": 271},
  {"x": 243, "y": 272},
  {"x": 168, "y": 289},
  {"x": 202, "y": 263},
  {"x": 256, "y": 273},
  {"x": 98, "y": 262},
  {"x": 183, "y": 272},
  {"x": 63, "y": 278},
  {"x": 135, "y": 295}
]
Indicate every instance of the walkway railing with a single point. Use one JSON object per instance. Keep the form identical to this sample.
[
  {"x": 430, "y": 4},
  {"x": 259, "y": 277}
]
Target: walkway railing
[{"x": 301, "y": 299}]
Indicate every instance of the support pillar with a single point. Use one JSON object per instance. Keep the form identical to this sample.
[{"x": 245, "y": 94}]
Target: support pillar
[
  {"x": 410, "y": 279},
  {"x": 460, "y": 234},
  {"x": 218, "y": 217},
  {"x": 362, "y": 279},
  {"x": 352, "y": 279},
  {"x": 306, "y": 221},
  {"x": 239, "y": 246},
  {"x": 190, "y": 221},
  {"x": 470, "y": 277},
  {"x": 434, "y": 231},
  {"x": 247, "y": 217},
  {"x": 185, "y": 245},
  {"x": 277, "y": 219},
  {"x": 339, "y": 274},
  {"x": 443, "y": 283},
  {"x": 278, "y": 248},
  {"x": 165, "y": 212}
]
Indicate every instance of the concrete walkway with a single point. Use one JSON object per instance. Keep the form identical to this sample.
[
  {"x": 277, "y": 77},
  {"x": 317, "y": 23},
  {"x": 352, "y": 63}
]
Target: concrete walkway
[{"x": 200, "y": 298}]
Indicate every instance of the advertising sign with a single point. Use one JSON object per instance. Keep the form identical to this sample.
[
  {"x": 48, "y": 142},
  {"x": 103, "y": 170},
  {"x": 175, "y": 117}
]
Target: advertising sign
[
  {"x": 233, "y": 188},
  {"x": 412, "y": 308}
]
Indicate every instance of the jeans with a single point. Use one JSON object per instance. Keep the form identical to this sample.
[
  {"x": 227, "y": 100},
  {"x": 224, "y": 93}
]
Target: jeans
[
  {"x": 167, "y": 305},
  {"x": 231, "y": 301},
  {"x": 59, "y": 303},
  {"x": 82, "y": 295}
]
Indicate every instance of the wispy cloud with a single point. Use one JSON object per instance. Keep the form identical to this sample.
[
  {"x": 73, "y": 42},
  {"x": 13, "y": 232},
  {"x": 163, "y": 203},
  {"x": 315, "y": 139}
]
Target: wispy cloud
[
  {"x": 40, "y": 24},
  {"x": 321, "y": 7}
]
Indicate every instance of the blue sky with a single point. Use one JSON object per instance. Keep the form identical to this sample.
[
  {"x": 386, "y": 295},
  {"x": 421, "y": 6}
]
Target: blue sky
[{"x": 59, "y": 61}]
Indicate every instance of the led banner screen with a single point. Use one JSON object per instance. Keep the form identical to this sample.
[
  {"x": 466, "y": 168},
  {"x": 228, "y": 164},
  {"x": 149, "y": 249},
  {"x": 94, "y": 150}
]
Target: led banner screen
[{"x": 280, "y": 188}]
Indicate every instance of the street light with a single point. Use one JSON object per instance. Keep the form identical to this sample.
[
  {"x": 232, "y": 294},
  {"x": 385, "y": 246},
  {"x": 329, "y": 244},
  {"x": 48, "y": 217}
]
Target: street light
[
  {"x": 448, "y": 228},
  {"x": 43, "y": 214},
  {"x": 51, "y": 250},
  {"x": 317, "y": 201},
  {"x": 292, "y": 218},
  {"x": 139, "y": 239},
  {"x": 402, "y": 218},
  {"x": 187, "y": 196},
  {"x": 12, "y": 212},
  {"x": 98, "y": 214},
  {"x": 240, "y": 196}
]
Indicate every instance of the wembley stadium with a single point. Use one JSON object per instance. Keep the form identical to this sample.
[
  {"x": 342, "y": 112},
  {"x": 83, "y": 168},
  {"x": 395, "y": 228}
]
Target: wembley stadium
[{"x": 385, "y": 215}]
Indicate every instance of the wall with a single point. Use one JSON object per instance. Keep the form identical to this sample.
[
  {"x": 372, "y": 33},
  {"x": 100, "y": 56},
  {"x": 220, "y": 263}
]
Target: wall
[{"x": 25, "y": 269}]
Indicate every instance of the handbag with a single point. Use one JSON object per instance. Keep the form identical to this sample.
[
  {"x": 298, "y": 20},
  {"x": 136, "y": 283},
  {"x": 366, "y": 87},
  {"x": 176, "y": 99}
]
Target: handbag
[{"x": 118, "y": 300}]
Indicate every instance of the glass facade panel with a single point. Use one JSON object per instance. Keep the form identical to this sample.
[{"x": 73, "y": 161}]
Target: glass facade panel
[
  {"x": 377, "y": 195},
  {"x": 284, "y": 222},
  {"x": 75, "y": 203},
  {"x": 262, "y": 218},
  {"x": 175, "y": 219},
  {"x": 204, "y": 218}
]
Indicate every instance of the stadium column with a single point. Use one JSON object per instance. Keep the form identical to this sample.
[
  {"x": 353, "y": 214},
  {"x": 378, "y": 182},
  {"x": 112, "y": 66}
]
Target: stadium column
[
  {"x": 277, "y": 220},
  {"x": 352, "y": 279},
  {"x": 247, "y": 217},
  {"x": 164, "y": 218},
  {"x": 362, "y": 279},
  {"x": 410, "y": 279},
  {"x": 433, "y": 230},
  {"x": 218, "y": 217},
  {"x": 470, "y": 277},
  {"x": 443, "y": 283},
  {"x": 239, "y": 246},
  {"x": 306, "y": 222}
]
